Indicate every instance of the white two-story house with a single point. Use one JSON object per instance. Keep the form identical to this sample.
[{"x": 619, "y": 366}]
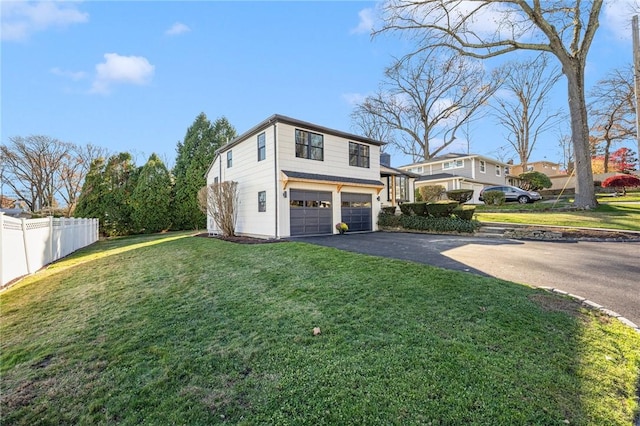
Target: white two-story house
[
  {"x": 460, "y": 171},
  {"x": 296, "y": 178}
]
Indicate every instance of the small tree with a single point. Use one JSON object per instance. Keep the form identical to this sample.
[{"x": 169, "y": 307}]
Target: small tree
[
  {"x": 431, "y": 193},
  {"x": 623, "y": 160},
  {"x": 621, "y": 181},
  {"x": 534, "y": 181},
  {"x": 220, "y": 200}
]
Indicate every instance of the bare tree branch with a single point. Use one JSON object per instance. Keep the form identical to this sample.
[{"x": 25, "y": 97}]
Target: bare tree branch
[
  {"x": 488, "y": 28},
  {"x": 612, "y": 110},
  {"x": 522, "y": 110},
  {"x": 426, "y": 99}
]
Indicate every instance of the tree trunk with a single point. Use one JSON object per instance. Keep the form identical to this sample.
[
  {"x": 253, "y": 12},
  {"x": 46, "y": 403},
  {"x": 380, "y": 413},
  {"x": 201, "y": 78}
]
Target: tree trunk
[{"x": 585, "y": 192}]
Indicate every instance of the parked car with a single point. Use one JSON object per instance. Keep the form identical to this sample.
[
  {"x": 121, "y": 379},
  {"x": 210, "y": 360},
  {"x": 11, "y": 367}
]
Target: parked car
[{"x": 513, "y": 193}]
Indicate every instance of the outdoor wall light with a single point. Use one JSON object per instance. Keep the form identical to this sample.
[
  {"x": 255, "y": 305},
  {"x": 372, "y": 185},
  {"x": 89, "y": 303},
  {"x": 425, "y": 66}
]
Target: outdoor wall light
[
  {"x": 284, "y": 194},
  {"x": 378, "y": 198}
]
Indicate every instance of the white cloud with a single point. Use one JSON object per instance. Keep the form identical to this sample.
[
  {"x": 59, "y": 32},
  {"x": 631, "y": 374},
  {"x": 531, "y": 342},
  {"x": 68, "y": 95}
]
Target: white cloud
[
  {"x": 177, "y": 29},
  {"x": 353, "y": 99},
  {"x": 616, "y": 17},
  {"x": 119, "y": 69},
  {"x": 73, "y": 75},
  {"x": 366, "y": 22},
  {"x": 20, "y": 19}
]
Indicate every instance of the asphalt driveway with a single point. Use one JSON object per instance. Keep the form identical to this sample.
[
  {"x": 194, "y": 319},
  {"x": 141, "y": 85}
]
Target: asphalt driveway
[{"x": 607, "y": 273}]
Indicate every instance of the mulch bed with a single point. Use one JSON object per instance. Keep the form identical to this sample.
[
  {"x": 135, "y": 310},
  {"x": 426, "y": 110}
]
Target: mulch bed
[{"x": 240, "y": 239}]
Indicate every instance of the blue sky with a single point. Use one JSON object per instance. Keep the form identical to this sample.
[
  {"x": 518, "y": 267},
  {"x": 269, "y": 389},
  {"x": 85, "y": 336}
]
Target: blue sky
[{"x": 133, "y": 76}]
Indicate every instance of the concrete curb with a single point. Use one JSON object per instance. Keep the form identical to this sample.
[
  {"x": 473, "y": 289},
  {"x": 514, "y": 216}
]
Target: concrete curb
[{"x": 592, "y": 305}]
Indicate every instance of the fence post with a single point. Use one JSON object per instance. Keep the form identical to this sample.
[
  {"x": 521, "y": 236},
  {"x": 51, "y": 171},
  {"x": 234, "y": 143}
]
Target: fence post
[
  {"x": 1, "y": 245},
  {"x": 25, "y": 241},
  {"x": 50, "y": 259}
]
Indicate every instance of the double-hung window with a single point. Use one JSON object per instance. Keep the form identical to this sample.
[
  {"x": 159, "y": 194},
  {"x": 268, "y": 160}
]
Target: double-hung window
[
  {"x": 262, "y": 146},
  {"x": 358, "y": 155},
  {"x": 498, "y": 170},
  {"x": 483, "y": 166},
  {"x": 229, "y": 159},
  {"x": 455, "y": 164},
  {"x": 309, "y": 145}
]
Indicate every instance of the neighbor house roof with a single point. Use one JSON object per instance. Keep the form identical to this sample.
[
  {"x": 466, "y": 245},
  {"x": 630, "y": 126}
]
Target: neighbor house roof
[
  {"x": 438, "y": 176},
  {"x": 388, "y": 170},
  {"x": 454, "y": 156}
]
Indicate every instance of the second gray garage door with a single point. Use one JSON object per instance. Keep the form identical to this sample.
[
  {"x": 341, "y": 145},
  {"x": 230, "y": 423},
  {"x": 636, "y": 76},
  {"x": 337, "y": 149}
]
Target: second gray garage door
[
  {"x": 356, "y": 211},
  {"x": 310, "y": 212}
]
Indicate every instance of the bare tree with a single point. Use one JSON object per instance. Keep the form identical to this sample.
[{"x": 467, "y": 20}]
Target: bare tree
[
  {"x": 563, "y": 28},
  {"x": 372, "y": 127},
  {"x": 41, "y": 171},
  {"x": 31, "y": 165},
  {"x": 612, "y": 110},
  {"x": 73, "y": 170},
  {"x": 427, "y": 98},
  {"x": 564, "y": 141},
  {"x": 220, "y": 200},
  {"x": 523, "y": 110}
]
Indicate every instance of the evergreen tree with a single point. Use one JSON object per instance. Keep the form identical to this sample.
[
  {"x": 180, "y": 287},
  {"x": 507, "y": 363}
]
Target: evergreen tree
[
  {"x": 151, "y": 197},
  {"x": 106, "y": 194},
  {"x": 93, "y": 192},
  {"x": 194, "y": 155}
]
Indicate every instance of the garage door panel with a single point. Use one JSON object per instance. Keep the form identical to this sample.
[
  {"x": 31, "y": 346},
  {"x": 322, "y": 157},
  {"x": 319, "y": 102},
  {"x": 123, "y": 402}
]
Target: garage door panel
[
  {"x": 356, "y": 211},
  {"x": 310, "y": 212}
]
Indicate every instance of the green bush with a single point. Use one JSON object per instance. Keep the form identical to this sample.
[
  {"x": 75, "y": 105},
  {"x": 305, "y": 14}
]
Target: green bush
[
  {"x": 433, "y": 224},
  {"x": 460, "y": 195},
  {"x": 493, "y": 198},
  {"x": 441, "y": 208},
  {"x": 464, "y": 212},
  {"x": 413, "y": 209},
  {"x": 389, "y": 209},
  {"x": 430, "y": 193}
]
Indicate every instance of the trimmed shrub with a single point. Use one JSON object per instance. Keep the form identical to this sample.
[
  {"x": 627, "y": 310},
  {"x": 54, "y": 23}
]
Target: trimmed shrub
[
  {"x": 389, "y": 209},
  {"x": 493, "y": 198},
  {"x": 441, "y": 208},
  {"x": 432, "y": 224},
  {"x": 430, "y": 193},
  {"x": 389, "y": 220},
  {"x": 460, "y": 195},
  {"x": 413, "y": 209},
  {"x": 464, "y": 212}
]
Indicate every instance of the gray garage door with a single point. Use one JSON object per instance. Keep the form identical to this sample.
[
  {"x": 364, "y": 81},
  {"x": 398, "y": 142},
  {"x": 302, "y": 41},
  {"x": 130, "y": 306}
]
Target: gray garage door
[
  {"x": 356, "y": 211},
  {"x": 310, "y": 212}
]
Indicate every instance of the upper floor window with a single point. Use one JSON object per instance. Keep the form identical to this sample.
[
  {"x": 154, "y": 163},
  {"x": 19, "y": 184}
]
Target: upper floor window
[
  {"x": 483, "y": 166},
  {"x": 416, "y": 169},
  {"x": 498, "y": 170},
  {"x": 229, "y": 159},
  {"x": 309, "y": 145},
  {"x": 506, "y": 170},
  {"x": 529, "y": 168},
  {"x": 262, "y": 201},
  {"x": 262, "y": 146},
  {"x": 455, "y": 164},
  {"x": 358, "y": 155}
]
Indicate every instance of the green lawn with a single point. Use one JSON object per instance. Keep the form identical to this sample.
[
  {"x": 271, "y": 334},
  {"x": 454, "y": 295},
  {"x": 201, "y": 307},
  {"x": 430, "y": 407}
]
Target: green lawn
[
  {"x": 171, "y": 329},
  {"x": 610, "y": 214}
]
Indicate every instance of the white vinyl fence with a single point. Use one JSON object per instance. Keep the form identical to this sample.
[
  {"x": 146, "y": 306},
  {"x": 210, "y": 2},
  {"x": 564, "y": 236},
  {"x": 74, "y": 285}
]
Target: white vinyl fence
[{"x": 26, "y": 245}]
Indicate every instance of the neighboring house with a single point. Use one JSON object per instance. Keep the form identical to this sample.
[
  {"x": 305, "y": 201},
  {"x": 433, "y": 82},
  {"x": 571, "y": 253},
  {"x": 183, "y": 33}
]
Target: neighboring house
[
  {"x": 399, "y": 185},
  {"x": 296, "y": 178},
  {"x": 460, "y": 171},
  {"x": 549, "y": 168}
]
